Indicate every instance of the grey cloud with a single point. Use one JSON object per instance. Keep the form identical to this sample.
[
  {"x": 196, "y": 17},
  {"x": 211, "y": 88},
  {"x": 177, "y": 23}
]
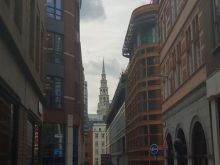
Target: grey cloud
[
  {"x": 92, "y": 10},
  {"x": 112, "y": 68}
]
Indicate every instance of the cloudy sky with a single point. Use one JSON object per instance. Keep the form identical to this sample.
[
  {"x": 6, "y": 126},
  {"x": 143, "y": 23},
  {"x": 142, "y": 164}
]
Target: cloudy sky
[{"x": 103, "y": 28}]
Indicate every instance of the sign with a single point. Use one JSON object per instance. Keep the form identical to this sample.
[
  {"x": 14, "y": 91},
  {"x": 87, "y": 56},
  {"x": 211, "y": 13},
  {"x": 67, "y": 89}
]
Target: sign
[{"x": 154, "y": 149}]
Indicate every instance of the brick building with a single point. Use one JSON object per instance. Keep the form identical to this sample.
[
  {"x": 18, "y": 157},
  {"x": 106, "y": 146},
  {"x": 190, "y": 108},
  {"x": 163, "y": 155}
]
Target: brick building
[
  {"x": 21, "y": 73},
  {"x": 143, "y": 100},
  {"x": 186, "y": 44},
  {"x": 63, "y": 117},
  {"x": 89, "y": 147}
]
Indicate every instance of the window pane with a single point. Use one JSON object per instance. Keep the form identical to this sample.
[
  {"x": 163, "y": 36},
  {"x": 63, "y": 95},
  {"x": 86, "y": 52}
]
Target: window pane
[
  {"x": 58, "y": 4},
  {"x": 50, "y": 3}
]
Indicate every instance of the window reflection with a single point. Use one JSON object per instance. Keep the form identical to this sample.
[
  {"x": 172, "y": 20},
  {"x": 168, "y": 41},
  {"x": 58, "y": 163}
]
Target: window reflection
[
  {"x": 54, "y": 9},
  {"x": 53, "y": 144}
]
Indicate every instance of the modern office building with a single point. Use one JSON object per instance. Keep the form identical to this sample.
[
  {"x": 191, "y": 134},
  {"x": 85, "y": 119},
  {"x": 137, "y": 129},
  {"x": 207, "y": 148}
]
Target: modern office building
[
  {"x": 116, "y": 125},
  {"x": 99, "y": 141},
  {"x": 63, "y": 117},
  {"x": 143, "y": 100},
  {"x": 103, "y": 104},
  {"x": 21, "y": 85},
  {"x": 186, "y": 46}
]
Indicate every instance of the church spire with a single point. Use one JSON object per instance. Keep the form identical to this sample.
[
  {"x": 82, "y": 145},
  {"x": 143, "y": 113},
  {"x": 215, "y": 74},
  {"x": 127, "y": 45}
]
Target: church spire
[
  {"x": 103, "y": 67},
  {"x": 103, "y": 103}
]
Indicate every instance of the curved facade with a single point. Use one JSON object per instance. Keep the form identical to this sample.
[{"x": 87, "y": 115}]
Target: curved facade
[{"x": 143, "y": 102}]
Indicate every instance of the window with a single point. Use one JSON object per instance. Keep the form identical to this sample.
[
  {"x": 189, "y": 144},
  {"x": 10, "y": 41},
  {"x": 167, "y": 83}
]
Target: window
[
  {"x": 54, "y": 9},
  {"x": 54, "y": 96},
  {"x": 97, "y": 151},
  {"x": 217, "y": 21},
  {"x": 103, "y": 143},
  {"x": 151, "y": 60},
  {"x": 96, "y": 143},
  {"x": 196, "y": 42},
  {"x": 54, "y": 44},
  {"x": 53, "y": 143},
  {"x": 189, "y": 50},
  {"x": 96, "y": 135},
  {"x": 100, "y": 129},
  {"x": 103, "y": 151},
  {"x": 153, "y": 94},
  {"x": 103, "y": 135}
]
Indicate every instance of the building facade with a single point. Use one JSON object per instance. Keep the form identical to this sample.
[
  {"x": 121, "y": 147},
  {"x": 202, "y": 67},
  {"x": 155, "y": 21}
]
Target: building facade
[
  {"x": 143, "y": 100},
  {"x": 116, "y": 126},
  {"x": 99, "y": 141},
  {"x": 89, "y": 147},
  {"x": 186, "y": 43},
  {"x": 213, "y": 80},
  {"x": 103, "y": 104},
  {"x": 86, "y": 117},
  {"x": 21, "y": 85},
  {"x": 64, "y": 79}
]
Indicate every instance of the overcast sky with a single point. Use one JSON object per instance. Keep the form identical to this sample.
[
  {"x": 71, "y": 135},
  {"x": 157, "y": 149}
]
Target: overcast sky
[{"x": 103, "y": 28}]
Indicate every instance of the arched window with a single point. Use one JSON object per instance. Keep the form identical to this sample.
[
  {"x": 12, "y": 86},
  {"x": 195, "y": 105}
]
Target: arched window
[
  {"x": 170, "y": 155},
  {"x": 181, "y": 148},
  {"x": 199, "y": 148}
]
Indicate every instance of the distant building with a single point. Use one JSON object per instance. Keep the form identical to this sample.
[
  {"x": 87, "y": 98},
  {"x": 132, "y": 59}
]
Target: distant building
[
  {"x": 99, "y": 142},
  {"x": 116, "y": 125},
  {"x": 88, "y": 147},
  {"x": 86, "y": 117},
  {"x": 21, "y": 81},
  {"x": 143, "y": 98},
  {"x": 103, "y": 104}
]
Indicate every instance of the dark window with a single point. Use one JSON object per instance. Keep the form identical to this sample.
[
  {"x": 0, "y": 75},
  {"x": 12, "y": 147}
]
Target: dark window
[
  {"x": 199, "y": 145},
  {"x": 54, "y": 95},
  {"x": 155, "y": 129},
  {"x": 181, "y": 148},
  {"x": 169, "y": 150},
  {"x": 151, "y": 60},
  {"x": 53, "y": 144},
  {"x": 153, "y": 94},
  {"x": 153, "y": 82},
  {"x": 217, "y": 21},
  {"x": 153, "y": 105},
  {"x": 38, "y": 44},
  {"x": 75, "y": 145},
  {"x": 152, "y": 71},
  {"x": 32, "y": 31},
  {"x": 54, "y": 44},
  {"x": 54, "y": 9},
  {"x": 18, "y": 14},
  {"x": 8, "y": 133}
]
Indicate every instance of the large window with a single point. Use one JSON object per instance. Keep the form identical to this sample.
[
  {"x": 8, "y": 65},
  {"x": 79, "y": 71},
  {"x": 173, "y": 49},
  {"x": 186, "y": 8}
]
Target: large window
[
  {"x": 54, "y": 44},
  {"x": 54, "y": 9},
  {"x": 146, "y": 35},
  {"x": 54, "y": 96},
  {"x": 53, "y": 144}
]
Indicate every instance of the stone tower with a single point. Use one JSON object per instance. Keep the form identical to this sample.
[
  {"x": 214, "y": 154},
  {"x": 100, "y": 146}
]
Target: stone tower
[{"x": 103, "y": 104}]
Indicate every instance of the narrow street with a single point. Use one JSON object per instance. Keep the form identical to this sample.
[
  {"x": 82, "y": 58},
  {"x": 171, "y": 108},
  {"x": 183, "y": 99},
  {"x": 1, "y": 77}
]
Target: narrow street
[{"x": 108, "y": 82}]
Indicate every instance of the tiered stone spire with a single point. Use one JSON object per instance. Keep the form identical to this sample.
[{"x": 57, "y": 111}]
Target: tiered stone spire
[{"x": 103, "y": 104}]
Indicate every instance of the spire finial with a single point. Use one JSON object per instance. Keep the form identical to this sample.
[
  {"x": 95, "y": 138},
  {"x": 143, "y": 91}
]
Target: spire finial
[{"x": 103, "y": 67}]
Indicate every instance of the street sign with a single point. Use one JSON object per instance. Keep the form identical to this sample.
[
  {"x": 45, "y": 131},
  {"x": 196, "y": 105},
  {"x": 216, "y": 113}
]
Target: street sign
[{"x": 154, "y": 149}]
